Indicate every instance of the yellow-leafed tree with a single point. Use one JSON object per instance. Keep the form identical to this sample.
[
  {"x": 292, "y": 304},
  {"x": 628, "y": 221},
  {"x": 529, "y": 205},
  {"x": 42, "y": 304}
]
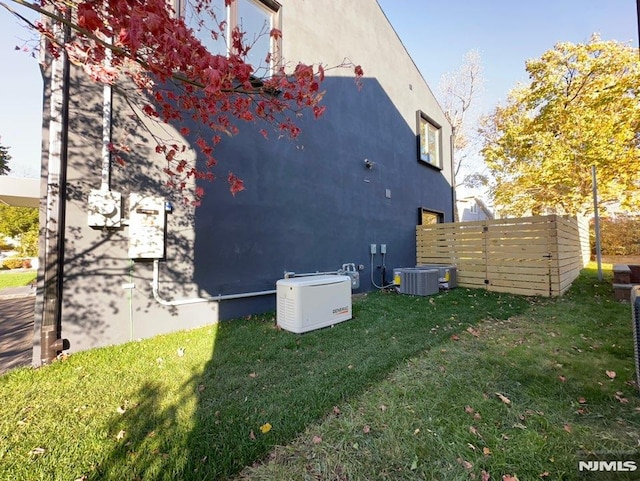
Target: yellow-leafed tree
[{"x": 581, "y": 108}]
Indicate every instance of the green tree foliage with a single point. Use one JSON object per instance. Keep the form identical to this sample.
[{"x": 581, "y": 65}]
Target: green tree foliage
[
  {"x": 581, "y": 108},
  {"x": 23, "y": 223},
  {"x": 4, "y": 160}
]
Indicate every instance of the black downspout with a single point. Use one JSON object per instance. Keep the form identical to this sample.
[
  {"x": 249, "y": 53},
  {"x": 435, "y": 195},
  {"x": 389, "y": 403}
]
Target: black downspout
[{"x": 51, "y": 330}]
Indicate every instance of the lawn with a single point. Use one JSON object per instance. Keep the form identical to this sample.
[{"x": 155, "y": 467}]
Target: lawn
[
  {"x": 407, "y": 390},
  {"x": 16, "y": 279}
]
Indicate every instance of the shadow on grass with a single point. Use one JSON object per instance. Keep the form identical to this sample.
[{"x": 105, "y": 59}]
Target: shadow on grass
[{"x": 263, "y": 386}]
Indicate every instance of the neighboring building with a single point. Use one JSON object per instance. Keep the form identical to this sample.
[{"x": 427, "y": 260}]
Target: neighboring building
[
  {"x": 376, "y": 164},
  {"x": 472, "y": 208}
]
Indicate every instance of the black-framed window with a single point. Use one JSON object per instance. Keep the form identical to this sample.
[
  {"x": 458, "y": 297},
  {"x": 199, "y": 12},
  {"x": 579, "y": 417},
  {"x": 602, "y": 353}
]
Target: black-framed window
[
  {"x": 256, "y": 18},
  {"x": 429, "y": 140},
  {"x": 429, "y": 217}
]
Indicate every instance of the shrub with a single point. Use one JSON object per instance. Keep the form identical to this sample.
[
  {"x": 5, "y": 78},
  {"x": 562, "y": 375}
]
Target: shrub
[
  {"x": 17, "y": 263},
  {"x": 619, "y": 236}
]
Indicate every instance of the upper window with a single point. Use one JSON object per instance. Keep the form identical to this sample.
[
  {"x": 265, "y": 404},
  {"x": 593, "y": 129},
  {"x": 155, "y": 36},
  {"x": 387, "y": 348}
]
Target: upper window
[
  {"x": 430, "y": 145},
  {"x": 255, "y": 18}
]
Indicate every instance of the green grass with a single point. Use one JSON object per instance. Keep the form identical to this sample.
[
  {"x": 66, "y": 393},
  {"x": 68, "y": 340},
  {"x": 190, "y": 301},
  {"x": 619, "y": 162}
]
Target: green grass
[
  {"x": 439, "y": 416},
  {"x": 16, "y": 279},
  {"x": 380, "y": 397}
]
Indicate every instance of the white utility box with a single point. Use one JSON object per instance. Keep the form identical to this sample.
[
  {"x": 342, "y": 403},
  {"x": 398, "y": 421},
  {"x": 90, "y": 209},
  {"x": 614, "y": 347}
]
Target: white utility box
[
  {"x": 312, "y": 302},
  {"x": 147, "y": 224}
]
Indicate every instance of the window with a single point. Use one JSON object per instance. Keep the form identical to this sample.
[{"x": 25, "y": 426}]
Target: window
[
  {"x": 430, "y": 140},
  {"x": 428, "y": 217},
  {"x": 256, "y": 18}
]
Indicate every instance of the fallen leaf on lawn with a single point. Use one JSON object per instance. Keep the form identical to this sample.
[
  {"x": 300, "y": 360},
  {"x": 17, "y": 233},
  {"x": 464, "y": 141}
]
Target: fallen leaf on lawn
[
  {"x": 504, "y": 398},
  {"x": 253, "y": 375},
  {"x": 611, "y": 374},
  {"x": 474, "y": 430},
  {"x": 486, "y": 451},
  {"x": 316, "y": 440},
  {"x": 568, "y": 428},
  {"x": 180, "y": 351},
  {"x": 82, "y": 478},
  {"x": 484, "y": 476},
  {"x": 562, "y": 378},
  {"x": 471, "y": 446},
  {"x": 469, "y": 410},
  {"x": 414, "y": 463},
  {"x": 582, "y": 400},
  {"x": 619, "y": 396},
  {"x": 455, "y": 337},
  {"x": 383, "y": 408},
  {"x": 336, "y": 410},
  {"x": 545, "y": 474},
  {"x": 252, "y": 435},
  {"x": 506, "y": 437},
  {"x": 366, "y": 429},
  {"x": 121, "y": 410},
  {"x": 265, "y": 428},
  {"x": 508, "y": 477},
  {"x": 477, "y": 416},
  {"x": 473, "y": 332},
  {"x": 465, "y": 464},
  {"x": 200, "y": 387},
  {"x": 416, "y": 431},
  {"x": 121, "y": 434},
  {"x": 37, "y": 451}
]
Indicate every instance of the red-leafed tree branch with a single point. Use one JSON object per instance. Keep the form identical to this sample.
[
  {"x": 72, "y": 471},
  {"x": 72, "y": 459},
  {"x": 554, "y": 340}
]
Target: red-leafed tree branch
[{"x": 166, "y": 74}]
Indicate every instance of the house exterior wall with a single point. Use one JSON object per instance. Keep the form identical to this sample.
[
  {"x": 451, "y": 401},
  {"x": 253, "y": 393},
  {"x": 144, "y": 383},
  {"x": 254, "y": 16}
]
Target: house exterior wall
[{"x": 309, "y": 205}]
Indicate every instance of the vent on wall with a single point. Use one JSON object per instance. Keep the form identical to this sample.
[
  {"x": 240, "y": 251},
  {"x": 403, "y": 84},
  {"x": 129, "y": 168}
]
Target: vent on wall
[{"x": 417, "y": 282}]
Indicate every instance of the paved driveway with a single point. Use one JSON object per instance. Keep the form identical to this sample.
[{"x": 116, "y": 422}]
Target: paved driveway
[{"x": 16, "y": 327}]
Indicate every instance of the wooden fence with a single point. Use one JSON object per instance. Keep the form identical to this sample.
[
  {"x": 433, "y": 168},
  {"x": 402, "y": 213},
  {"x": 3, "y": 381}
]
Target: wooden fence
[{"x": 539, "y": 255}]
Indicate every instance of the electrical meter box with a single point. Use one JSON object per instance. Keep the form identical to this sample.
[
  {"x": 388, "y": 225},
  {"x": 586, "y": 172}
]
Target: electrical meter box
[
  {"x": 147, "y": 226},
  {"x": 105, "y": 209}
]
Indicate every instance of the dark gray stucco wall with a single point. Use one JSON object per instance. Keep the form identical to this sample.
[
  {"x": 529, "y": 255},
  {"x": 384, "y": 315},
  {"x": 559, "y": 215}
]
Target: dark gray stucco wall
[{"x": 309, "y": 204}]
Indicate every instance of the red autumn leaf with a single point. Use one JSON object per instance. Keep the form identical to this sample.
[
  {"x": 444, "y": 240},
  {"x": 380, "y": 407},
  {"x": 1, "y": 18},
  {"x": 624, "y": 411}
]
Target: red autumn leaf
[
  {"x": 508, "y": 477},
  {"x": 568, "y": 428},
  {"x": 484, "y": 476},
  {"x": 455, "y": 337},
  {"x": 562, "y": 378},
  {"x": 582, "y": 400},
  {"x": 611, "y": 374}
]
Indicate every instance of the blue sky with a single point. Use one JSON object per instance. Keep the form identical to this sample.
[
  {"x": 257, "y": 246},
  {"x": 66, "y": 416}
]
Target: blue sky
[{"x": 436, "y": 33}]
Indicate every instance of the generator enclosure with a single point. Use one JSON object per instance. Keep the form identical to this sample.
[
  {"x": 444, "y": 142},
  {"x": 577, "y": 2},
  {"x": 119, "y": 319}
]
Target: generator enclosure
[{"x": 308, "y": 303}]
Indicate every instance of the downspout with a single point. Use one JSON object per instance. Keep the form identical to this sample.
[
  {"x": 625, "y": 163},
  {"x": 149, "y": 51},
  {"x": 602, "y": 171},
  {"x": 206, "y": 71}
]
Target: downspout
[
  {"x": 155, "y": 284},
  {"x": 51, "y": 326}
]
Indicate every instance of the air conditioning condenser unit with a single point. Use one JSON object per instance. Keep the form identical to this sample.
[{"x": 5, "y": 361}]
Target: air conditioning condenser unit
[{"x": 308, "y": 303}]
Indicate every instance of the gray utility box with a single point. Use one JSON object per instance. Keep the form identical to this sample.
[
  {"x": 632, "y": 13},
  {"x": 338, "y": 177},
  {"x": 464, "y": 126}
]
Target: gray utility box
[
  {"x": 416, "y": 281},
  {"x": 448, "y": 274}
]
